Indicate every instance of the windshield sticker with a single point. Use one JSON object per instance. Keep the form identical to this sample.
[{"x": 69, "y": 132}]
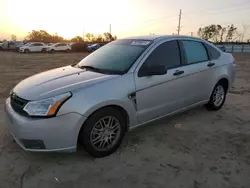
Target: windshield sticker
[{"x": 142, "y": 43}]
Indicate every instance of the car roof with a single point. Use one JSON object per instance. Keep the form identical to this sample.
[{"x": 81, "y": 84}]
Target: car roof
[{"x": 161, "y": 37}]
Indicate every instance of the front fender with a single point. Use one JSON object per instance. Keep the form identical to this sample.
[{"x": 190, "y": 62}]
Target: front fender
[{"x": 126, "y": 105}]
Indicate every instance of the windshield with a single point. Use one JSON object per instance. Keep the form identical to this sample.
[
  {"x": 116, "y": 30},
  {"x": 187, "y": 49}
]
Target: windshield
[{"x": 117, "y": 56}]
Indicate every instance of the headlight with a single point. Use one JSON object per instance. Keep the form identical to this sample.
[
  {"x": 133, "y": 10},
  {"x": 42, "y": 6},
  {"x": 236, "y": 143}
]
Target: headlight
[{"x": 46, "y": 107}]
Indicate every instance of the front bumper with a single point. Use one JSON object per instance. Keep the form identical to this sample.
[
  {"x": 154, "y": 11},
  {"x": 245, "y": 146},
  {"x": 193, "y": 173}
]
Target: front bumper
[{"x": 44, "y": 134}]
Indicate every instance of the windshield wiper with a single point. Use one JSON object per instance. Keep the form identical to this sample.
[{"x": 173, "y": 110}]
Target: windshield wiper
[
  {"x": 87, "y": 67},
  {"x": 103, "y": 71}
]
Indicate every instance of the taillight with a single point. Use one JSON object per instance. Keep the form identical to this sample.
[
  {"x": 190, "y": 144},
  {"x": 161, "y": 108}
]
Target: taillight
[{"x": 233, "y": 61}]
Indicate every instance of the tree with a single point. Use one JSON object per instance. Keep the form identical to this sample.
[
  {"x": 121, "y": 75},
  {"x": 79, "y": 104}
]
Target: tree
[
  {"x": 245, "y": 28},
  {"x": 43, "y": 36},
  {"x": 231, "y": 31},
  {"x": 56, "y": 38},
  {"x": 210, "y": 32},
  {"x": 77, "y": 39},
  {"x": 99, "y": 38},
  {"x": 39, "y": 36},
  {"x": 89, "y": 37},
  {"x": 217, "y": 33},
  {"x": 108, "y": 37},
  {"x": 13, "y": 37}
]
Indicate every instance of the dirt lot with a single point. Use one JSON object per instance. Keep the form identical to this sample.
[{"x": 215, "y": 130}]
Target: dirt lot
[{"x": 210, "y": 150}]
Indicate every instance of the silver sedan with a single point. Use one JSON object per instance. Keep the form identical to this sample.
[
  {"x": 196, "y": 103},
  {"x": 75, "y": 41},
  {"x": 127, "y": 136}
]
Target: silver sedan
[{"x": 125, "y": 84}]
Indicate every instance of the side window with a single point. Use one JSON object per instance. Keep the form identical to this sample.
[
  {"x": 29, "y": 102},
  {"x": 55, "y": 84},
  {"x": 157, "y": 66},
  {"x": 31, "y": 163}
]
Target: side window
[
  {"x": 213, "y": 53},
  {"x": 165, "y": 54},
  {"x": 195, "y": 51}
]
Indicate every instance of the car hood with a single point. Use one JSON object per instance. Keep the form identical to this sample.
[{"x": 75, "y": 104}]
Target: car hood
[{"x": 57, "y": 81}]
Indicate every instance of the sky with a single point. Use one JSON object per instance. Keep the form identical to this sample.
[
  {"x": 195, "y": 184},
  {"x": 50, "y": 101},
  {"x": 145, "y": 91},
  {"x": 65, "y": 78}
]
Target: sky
[{"x": 69, "y": 18}]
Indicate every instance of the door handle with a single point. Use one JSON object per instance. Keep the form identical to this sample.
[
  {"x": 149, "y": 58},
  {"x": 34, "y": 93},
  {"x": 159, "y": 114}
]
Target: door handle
[
  {"x": 210, "y": 64},
  {"x": 177, "y": 73}
]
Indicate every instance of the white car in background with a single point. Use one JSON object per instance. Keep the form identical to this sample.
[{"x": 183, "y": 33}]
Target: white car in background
[
  {"x": 59, "y": 47},
  {"x": 33, "y": 47}
]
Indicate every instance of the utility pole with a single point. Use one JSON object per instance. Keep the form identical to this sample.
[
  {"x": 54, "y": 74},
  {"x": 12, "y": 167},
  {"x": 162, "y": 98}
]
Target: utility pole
[
  {"x": 179, "y": 24},
  {"x": 110, "y": 28},
  {"x": 192, "y": 34}
]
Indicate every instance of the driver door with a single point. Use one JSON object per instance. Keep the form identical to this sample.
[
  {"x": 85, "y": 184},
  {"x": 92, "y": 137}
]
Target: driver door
[{"x": 159, "y": 95}]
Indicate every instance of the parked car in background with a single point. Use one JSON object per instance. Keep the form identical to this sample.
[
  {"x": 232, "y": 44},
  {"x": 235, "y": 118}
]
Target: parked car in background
[
  {"x": 78, "y": 47},
  {"x": 123, "y": 85},
  {"x": 33, "y": 47},
  {"x": 59, "y": 47},
  {"x": 11, "y": 45},
  {"x": 93, "y": 47}
]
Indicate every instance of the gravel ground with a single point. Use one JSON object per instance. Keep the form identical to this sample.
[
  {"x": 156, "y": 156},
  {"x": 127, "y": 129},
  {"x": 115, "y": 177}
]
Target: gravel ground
[{"x": 210, "y": 150}]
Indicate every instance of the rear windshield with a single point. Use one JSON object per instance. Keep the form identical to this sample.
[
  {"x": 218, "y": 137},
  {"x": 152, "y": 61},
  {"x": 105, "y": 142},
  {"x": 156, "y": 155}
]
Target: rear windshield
[{"x": 116, "y": 56}]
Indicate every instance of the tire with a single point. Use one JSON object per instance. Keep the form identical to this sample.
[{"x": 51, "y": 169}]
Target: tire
[
  {"x": 44, "y": 50},
  {"x": 1, "y": 49},
  {"x": 216, "y": 104},
  {"x": 67, "y": 51},
  {"x": 52, "y": 51},
  {"x": 26, "y": 51},
  {"x": 96, "y": 138}
]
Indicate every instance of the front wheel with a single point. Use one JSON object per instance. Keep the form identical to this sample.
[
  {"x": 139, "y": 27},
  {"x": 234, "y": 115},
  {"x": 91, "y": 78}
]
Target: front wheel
[
  {"x": 26, "y": 51},
  {"x": 44, "y": 50},
  {"x": 218, "y": 97},
  {"x": 103, "y": 132}
]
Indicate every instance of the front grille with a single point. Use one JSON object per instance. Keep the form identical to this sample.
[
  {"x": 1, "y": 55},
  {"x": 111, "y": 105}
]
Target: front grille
[{"x": 18, "y": 104}]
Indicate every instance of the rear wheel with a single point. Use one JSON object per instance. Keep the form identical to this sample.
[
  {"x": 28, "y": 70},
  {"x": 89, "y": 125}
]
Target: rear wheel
[
  {"x": 52, "y": 51},
  {"x": 1, "y": 49},
  {"x": 103, "y": 132},
  {"x": 67, "y": 51},
  {"x": 44, "y": 50},
  {"x": 218, "y": 97}
]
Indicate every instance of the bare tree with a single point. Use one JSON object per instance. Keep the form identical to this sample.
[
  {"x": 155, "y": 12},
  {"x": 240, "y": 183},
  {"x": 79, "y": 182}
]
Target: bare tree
[
  {"x": 13, "y": 37},
  {"x": 245, "y": 28}
]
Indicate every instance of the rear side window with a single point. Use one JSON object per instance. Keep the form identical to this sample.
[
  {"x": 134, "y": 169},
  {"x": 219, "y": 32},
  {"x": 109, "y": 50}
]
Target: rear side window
[
  {"x": 195, "y": 52},
  {"x": 213, "y": 53},
  {"x": 165, "y": 54},
  {"x": 38, "y": 44}
]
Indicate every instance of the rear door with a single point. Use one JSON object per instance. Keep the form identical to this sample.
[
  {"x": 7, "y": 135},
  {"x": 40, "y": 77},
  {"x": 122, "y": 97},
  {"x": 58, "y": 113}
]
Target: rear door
[
  {"x": 197, "y": 71},
  {"x": 63, "y": 47},
  {"x": 159, "y": 95},
  {"x": 36, "y": 47}
]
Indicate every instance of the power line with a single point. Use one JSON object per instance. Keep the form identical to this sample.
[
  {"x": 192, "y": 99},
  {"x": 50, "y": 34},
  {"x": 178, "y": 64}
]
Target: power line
[{"x": 219, "y": 9}]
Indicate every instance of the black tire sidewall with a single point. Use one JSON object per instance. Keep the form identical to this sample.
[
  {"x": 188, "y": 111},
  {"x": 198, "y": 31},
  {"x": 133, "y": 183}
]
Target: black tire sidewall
[
  {"x": 211, "y": 105},
  {"x": 91, "y": 121}
]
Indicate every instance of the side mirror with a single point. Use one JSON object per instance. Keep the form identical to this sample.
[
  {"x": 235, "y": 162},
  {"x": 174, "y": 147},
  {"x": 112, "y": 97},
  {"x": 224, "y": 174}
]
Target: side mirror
[{"x": 152, "y": 70}]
